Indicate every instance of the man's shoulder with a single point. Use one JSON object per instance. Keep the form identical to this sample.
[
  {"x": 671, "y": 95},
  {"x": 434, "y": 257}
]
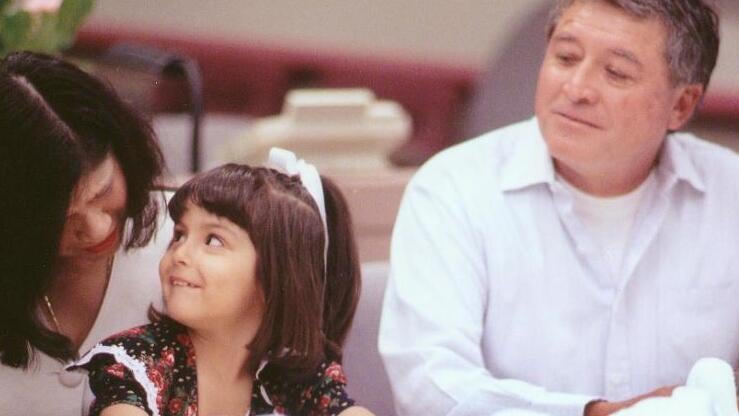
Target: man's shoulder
[{"x": 706, "y": 156}]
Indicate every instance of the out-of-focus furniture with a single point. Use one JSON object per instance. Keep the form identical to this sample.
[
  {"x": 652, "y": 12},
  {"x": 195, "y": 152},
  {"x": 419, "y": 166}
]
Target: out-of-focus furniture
[
  {"x": 253, "y": 79},
  {"x": 373, "y": 198}
]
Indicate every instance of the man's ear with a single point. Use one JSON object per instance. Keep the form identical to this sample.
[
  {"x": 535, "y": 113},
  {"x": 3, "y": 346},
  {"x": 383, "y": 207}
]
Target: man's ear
[{"x": 685, "y": 105}]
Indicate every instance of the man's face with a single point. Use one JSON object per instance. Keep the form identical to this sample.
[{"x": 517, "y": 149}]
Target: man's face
[{"x": 604, "y": 99}]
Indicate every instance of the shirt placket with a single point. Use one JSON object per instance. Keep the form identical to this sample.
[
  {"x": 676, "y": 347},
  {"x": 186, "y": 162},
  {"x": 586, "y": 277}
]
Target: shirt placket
[
  {"x": 618, "y": 366},
  {"x": 587, "y": 250}
]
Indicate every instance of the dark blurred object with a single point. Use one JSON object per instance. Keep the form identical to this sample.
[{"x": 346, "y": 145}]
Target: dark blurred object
[{"x": 156, "y": 81}]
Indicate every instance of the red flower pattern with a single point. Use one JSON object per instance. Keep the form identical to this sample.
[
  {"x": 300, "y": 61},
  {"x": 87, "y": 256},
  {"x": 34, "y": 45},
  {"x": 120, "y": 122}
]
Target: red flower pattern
[
  {"x": 335, "y": 372},
  {"x": 116, "y": 370},
  {"x": 175, "y": 406},
  {"x": 325, "y": 401},
  {"x": 167, "y": 358}
]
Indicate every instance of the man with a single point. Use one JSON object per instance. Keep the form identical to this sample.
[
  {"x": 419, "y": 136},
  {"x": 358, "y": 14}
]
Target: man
[{"x": 582, "y": 260}]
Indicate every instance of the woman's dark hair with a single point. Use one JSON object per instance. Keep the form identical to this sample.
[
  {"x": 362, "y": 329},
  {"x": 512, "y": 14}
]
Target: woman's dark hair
[
  {"x": 56, "y": 124},
  {"x": 308, "y": 308}
]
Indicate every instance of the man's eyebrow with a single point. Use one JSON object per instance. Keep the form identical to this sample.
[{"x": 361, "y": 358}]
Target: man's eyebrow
[{"x": 564, "y": 37}]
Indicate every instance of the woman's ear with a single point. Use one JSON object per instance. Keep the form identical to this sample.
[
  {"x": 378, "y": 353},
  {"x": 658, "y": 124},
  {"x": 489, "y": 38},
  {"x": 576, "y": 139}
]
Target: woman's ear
[{"x": 685, "y": 104}]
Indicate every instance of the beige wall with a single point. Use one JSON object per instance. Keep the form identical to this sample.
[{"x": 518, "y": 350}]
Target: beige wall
[
  {"x": 458, "y": 31},
  {"x": 448, "y": 30}
]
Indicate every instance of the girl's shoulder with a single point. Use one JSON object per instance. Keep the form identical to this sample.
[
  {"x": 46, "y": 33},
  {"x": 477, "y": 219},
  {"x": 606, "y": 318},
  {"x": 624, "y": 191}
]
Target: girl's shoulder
[
  {"x": 148, "y": 367},
  {"x": 321, "y": 393},
  {"x": 159, "y": 343}
]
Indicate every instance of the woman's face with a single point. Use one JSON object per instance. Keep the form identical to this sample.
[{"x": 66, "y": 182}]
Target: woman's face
[
  {"x": 96, "y": 214},
  {"x": 208, "y": 274}
]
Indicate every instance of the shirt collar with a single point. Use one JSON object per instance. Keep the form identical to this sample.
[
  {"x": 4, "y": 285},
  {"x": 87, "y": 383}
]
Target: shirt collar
[
  {"x": 675, "y": 162},
  {"x": 530, "y": 163}
]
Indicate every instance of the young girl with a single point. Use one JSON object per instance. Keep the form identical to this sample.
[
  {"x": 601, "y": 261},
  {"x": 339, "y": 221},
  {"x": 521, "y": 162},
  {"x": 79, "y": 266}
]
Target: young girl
[{"x": 260, "y": 284}]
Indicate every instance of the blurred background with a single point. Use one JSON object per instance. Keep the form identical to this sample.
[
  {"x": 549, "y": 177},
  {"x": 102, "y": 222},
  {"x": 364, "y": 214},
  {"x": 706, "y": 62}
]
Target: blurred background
[{"x": 214, "y": 76}]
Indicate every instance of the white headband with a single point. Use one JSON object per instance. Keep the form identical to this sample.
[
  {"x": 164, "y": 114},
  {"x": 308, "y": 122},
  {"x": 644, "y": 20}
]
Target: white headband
[{"x": 285, "y": 161}]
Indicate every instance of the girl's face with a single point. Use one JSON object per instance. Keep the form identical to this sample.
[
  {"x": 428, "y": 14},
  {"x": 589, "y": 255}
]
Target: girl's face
[{"x": 208, "y": 274}]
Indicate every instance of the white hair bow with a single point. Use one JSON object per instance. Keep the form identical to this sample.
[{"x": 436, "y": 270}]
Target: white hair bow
[{"x": 285, "y": 161}]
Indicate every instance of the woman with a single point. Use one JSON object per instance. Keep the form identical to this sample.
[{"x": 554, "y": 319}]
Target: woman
[{"x": 78, "y": 252}]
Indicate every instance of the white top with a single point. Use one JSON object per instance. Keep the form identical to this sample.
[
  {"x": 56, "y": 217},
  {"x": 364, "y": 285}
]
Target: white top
[
  {"x": 46, "y": 389},
  {"x": 608, "y": 220},
  {"x": 497, "y": 299}
]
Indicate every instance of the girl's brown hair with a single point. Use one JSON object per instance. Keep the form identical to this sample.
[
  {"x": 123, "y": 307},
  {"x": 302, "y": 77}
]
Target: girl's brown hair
[{"x": 309, "y": 305}]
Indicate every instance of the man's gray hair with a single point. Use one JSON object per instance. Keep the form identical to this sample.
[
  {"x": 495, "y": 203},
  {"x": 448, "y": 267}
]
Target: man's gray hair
[{"x": 692, "y": 33}]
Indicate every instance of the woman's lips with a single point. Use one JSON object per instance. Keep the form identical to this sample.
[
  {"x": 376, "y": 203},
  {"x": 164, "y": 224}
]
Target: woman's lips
[{"x": 109, "y": 242}]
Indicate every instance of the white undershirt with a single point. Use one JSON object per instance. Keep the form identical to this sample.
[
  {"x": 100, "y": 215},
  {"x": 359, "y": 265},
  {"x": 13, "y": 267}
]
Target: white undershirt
[{"x": 609, "y": 219}]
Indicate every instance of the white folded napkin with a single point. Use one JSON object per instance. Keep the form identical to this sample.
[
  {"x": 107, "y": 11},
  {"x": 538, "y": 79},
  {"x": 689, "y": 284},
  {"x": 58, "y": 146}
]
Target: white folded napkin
[{"x": 709, "y": 391}]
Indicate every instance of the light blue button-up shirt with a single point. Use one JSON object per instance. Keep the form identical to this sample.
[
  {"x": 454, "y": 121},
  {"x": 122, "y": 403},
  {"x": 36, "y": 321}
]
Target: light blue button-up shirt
[{"x": 498, "y": 298}]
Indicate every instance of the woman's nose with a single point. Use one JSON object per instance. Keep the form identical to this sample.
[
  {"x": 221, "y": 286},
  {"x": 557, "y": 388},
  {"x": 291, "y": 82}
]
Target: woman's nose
[{"x": 94, "y": 226}]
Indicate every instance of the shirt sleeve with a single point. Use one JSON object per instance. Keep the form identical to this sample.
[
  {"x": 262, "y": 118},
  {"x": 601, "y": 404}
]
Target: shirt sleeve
[
  {"x": 326, "y": 395},
  {"x": 113, "y": 383},
  {"x": 435, "y": 304}
]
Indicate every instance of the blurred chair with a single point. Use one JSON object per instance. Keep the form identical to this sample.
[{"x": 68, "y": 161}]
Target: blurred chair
[
  {"x": 505, "y": 92},
  {"x": 368, "y": 381}
]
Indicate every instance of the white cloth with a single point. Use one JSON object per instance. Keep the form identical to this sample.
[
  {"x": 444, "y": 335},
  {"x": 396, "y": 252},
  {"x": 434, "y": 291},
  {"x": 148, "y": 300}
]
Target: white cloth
[
  {"x": 709, "y": 391},
  {"x": 609, "y": 219},
  {"x": 134, "y": 285},
  {"x": 498, "y": 297}
]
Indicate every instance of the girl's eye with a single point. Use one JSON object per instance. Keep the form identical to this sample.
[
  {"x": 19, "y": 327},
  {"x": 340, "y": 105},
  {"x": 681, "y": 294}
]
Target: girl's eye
[
  {"x": 214, "y": 241},
  {"x": 176, "y": 237}
]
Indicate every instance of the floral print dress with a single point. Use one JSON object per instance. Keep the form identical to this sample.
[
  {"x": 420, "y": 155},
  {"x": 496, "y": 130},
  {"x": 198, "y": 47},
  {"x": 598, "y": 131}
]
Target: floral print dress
[{"x": 152, "y": 367}]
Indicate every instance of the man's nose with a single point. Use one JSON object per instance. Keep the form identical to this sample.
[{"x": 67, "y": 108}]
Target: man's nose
[{"x": 581, "y": 86}]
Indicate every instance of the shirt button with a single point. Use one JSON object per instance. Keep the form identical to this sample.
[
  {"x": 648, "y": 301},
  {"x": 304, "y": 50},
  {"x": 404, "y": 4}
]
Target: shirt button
[{"x": 70, "y": 379}]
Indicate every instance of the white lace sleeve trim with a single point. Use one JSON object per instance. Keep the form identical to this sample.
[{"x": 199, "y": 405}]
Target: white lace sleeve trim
[{"x": 137, "y": 368}]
